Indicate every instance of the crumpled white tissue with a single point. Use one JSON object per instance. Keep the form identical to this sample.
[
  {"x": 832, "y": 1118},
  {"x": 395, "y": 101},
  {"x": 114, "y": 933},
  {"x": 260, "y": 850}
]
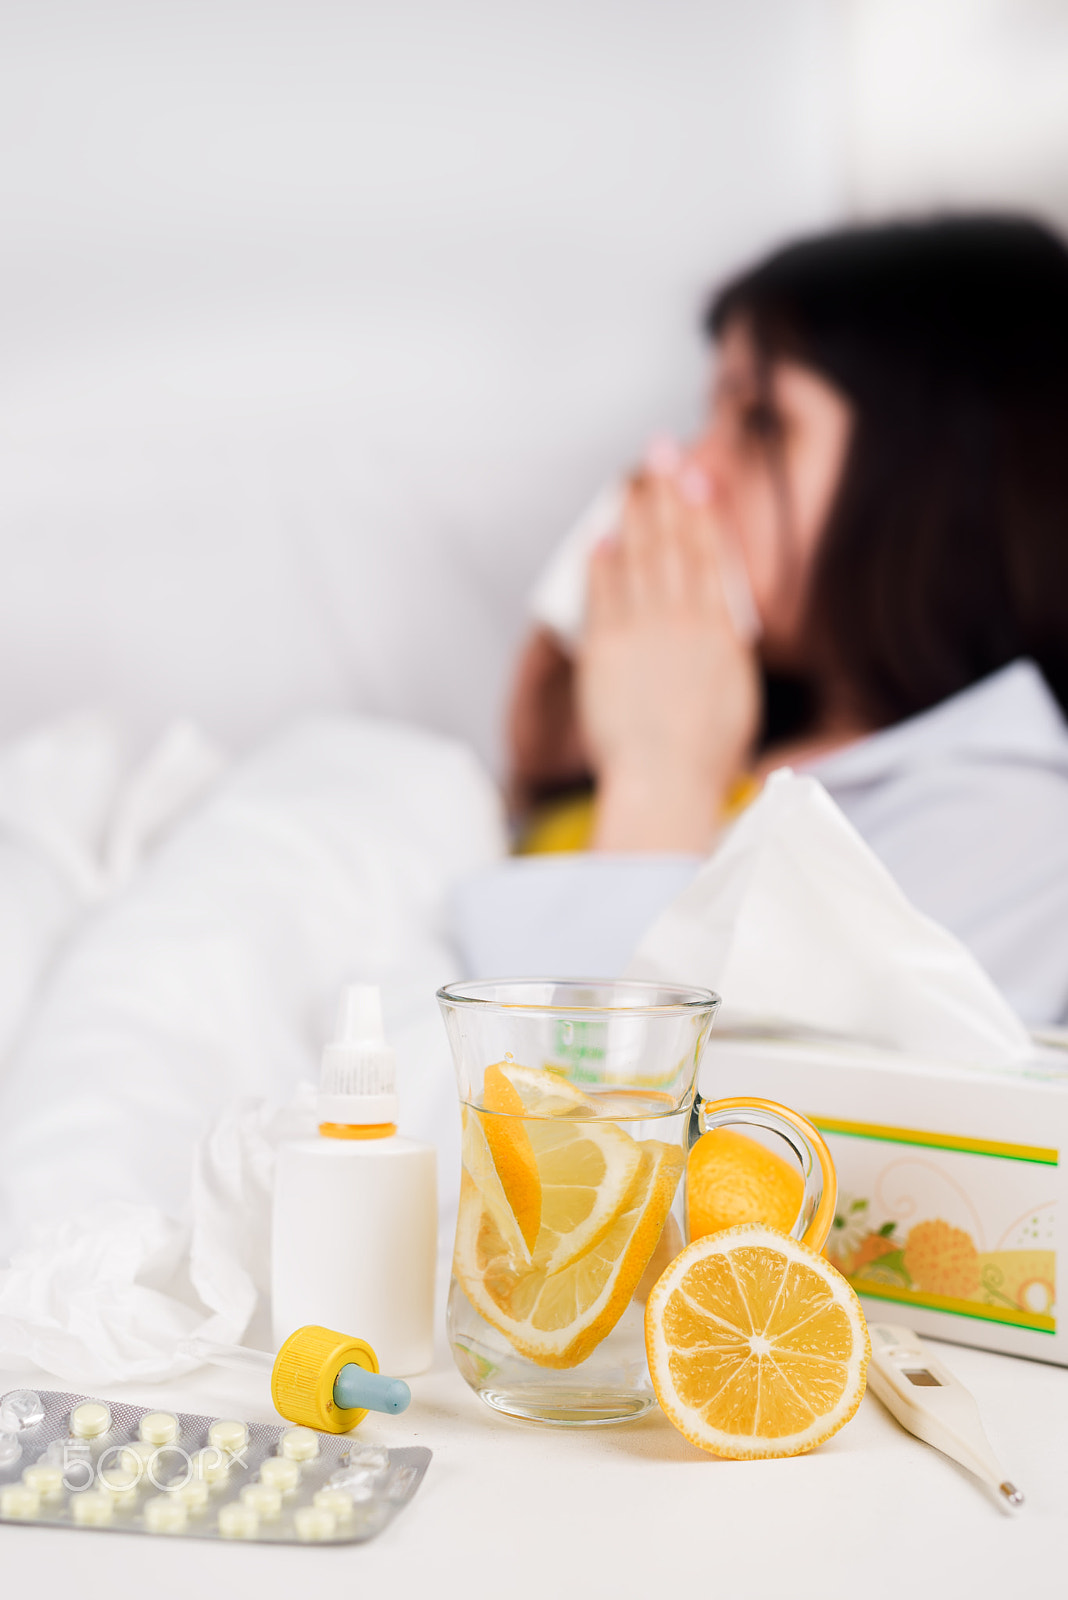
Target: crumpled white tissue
[
  {"x": 116, "y": 1294},
  {"x": 799, "y": 926}
]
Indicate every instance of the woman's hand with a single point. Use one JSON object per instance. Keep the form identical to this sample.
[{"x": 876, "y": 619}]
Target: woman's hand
[{"x": 669, "y": 698}]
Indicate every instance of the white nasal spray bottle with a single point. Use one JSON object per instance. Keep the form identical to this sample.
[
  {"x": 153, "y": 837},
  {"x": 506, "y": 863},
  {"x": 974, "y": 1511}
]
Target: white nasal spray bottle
[{"x": 354, "y": 1234}]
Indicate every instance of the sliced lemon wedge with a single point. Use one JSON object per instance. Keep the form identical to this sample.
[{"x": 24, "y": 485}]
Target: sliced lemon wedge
[
  {"x": 586, "y": 1172},
  {"x": 512, "y": 1152},
  {"x": 480, "y": 1177},
  {"x": 545, "y": 1093},
  {"x": 556, "y": 1316}
]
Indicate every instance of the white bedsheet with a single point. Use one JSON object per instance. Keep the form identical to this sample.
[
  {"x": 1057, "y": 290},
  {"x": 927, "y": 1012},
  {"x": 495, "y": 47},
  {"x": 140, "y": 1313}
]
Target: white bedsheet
[
  {"x": 77, "y": 814},
  {"x": 328, "y": 856}
]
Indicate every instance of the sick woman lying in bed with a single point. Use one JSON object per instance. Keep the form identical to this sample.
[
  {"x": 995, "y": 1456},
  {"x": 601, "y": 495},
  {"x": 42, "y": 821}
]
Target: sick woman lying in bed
[
  {"x": 860, "y": 568},
  {"x": 884, "y": 467}
]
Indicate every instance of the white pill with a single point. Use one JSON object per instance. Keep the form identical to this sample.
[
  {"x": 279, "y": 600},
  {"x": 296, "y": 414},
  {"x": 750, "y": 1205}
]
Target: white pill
[
  {"x": 169, "y": 1467},
  {"x": 75, "y": 1457},
  {"x": 299, "y": 1444},
  {"x": 211, "y": 1464},
  {"x": 119, "y": 1470},
  {"x": 165, "y": 1514},
  {"x": 336, "y": 1501},
  {"x": 19, "y": 1500},
  {"x": 21, "y": 1408},
  {"x": 194, "y": 1495},
  {"x": 280, "y": 1473},
  {"x": 264, "y": 1499},
  {"x": 312, "y": 1522},
  {"x": 237, "y": 1521},
  {"x": 136, "y": 1455},
  {"x": 229, "y": 1436},
  {"x": 118, "y": 1485},
  {"x": 159, "y": 1427},
  {"x": 44, "y": 1479},
  {"x": 93, "y": 1508},
  {"x": 90, "y": 1419}
]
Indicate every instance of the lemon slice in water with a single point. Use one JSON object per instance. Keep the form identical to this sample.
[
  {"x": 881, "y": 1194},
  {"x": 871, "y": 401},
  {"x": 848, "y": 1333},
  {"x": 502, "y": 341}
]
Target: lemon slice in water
[{"x": 557, "y": 1316}]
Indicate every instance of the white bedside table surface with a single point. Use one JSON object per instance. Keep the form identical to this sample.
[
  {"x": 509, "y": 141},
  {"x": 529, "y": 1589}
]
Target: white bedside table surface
[{"x": 517, "y": 1510}]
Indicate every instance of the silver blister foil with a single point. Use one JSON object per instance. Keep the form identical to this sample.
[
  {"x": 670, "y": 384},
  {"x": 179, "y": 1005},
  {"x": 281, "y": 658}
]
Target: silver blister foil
[{"x": 83, "y": 1463}]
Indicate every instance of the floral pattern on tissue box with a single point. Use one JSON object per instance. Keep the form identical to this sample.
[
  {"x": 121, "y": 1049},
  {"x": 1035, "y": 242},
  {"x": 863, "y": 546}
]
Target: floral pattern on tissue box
[{"x": 927, "y": 1227}]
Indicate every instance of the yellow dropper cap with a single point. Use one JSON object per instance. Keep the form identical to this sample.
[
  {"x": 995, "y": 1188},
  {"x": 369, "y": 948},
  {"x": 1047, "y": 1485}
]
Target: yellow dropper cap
[{"x": 305, "y": 1368}]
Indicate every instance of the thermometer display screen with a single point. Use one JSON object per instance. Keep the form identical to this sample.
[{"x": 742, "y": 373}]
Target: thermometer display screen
[{"x": 921, "y": 1377}]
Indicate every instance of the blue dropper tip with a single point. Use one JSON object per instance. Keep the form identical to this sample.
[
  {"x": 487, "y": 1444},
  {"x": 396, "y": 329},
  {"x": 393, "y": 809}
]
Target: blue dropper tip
[{"x": 356, "y": 1389}]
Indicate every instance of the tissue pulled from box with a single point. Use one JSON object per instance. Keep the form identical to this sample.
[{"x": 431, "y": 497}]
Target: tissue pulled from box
[{"x": 799, "y": 926}]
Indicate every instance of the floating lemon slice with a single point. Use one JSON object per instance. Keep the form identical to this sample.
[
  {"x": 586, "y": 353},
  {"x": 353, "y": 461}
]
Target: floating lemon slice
[
  {"x": 481, "y": 1178},
  {"x": 512, "y": 1152},
  {"x": 565, "y": 1181},
  {"x": 757, "y": 1346},
  {"x": 586, "y": 1171},
  {"x": 545, "y": 1093},
  {"x": 557, "y": 1317}
]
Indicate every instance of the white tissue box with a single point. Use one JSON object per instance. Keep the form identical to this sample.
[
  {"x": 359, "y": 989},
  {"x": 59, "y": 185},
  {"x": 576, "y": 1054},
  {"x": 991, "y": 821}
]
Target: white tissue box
[{"x": 949, "y": 1180}]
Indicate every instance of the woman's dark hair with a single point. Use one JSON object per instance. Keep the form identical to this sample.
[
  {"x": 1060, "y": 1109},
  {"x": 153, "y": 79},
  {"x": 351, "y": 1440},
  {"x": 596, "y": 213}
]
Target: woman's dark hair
[{"x": 945, "y": 555}]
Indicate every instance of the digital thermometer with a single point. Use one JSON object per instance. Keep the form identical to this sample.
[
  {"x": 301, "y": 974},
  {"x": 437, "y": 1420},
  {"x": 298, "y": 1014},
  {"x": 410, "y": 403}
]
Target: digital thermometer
[{"x": 930, "y": 1402}]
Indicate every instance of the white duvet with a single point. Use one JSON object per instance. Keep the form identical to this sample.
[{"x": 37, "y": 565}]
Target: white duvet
[{"x": 175, "y": 937}]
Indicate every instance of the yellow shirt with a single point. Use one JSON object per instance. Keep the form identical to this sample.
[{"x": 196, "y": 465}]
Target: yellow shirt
[{"x": 567, "y": 825}]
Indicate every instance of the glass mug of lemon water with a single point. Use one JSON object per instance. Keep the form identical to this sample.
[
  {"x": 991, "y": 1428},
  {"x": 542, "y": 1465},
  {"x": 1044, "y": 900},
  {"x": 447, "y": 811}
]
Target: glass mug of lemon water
[{"x": 576, "y": 1101}]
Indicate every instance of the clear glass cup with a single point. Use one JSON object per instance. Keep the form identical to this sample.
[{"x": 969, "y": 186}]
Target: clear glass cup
[{"x": 578, "y": 1106}]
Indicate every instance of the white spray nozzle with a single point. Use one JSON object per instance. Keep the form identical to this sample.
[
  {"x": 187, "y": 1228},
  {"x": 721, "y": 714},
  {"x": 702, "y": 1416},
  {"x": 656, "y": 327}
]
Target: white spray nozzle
[
  {"x": 360, "y": 1016},
  {"x": 358, "y": 1081}
]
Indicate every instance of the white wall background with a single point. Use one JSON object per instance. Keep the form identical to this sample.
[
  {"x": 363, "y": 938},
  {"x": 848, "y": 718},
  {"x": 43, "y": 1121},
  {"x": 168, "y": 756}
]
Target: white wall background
[
  {"x": 957, "y": 102},
  {"x": 321, "y": 318}
]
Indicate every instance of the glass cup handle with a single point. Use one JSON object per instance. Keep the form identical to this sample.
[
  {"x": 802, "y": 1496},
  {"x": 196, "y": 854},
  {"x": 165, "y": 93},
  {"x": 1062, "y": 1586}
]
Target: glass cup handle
[{"x": 814, "y": 1220}]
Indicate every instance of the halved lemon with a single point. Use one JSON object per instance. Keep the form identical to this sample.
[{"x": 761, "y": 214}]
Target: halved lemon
[
  {"x": 757, "y": 1346},
  {"x": 556, "y": 1317}
]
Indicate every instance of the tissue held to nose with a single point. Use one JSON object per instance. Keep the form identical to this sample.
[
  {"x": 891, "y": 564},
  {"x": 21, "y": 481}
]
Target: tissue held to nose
[{"x": 558, "y": 599}]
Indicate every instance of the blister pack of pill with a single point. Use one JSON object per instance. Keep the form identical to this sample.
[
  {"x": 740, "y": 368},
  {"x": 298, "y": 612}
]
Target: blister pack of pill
[{"x": 67, "y": 1460}]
